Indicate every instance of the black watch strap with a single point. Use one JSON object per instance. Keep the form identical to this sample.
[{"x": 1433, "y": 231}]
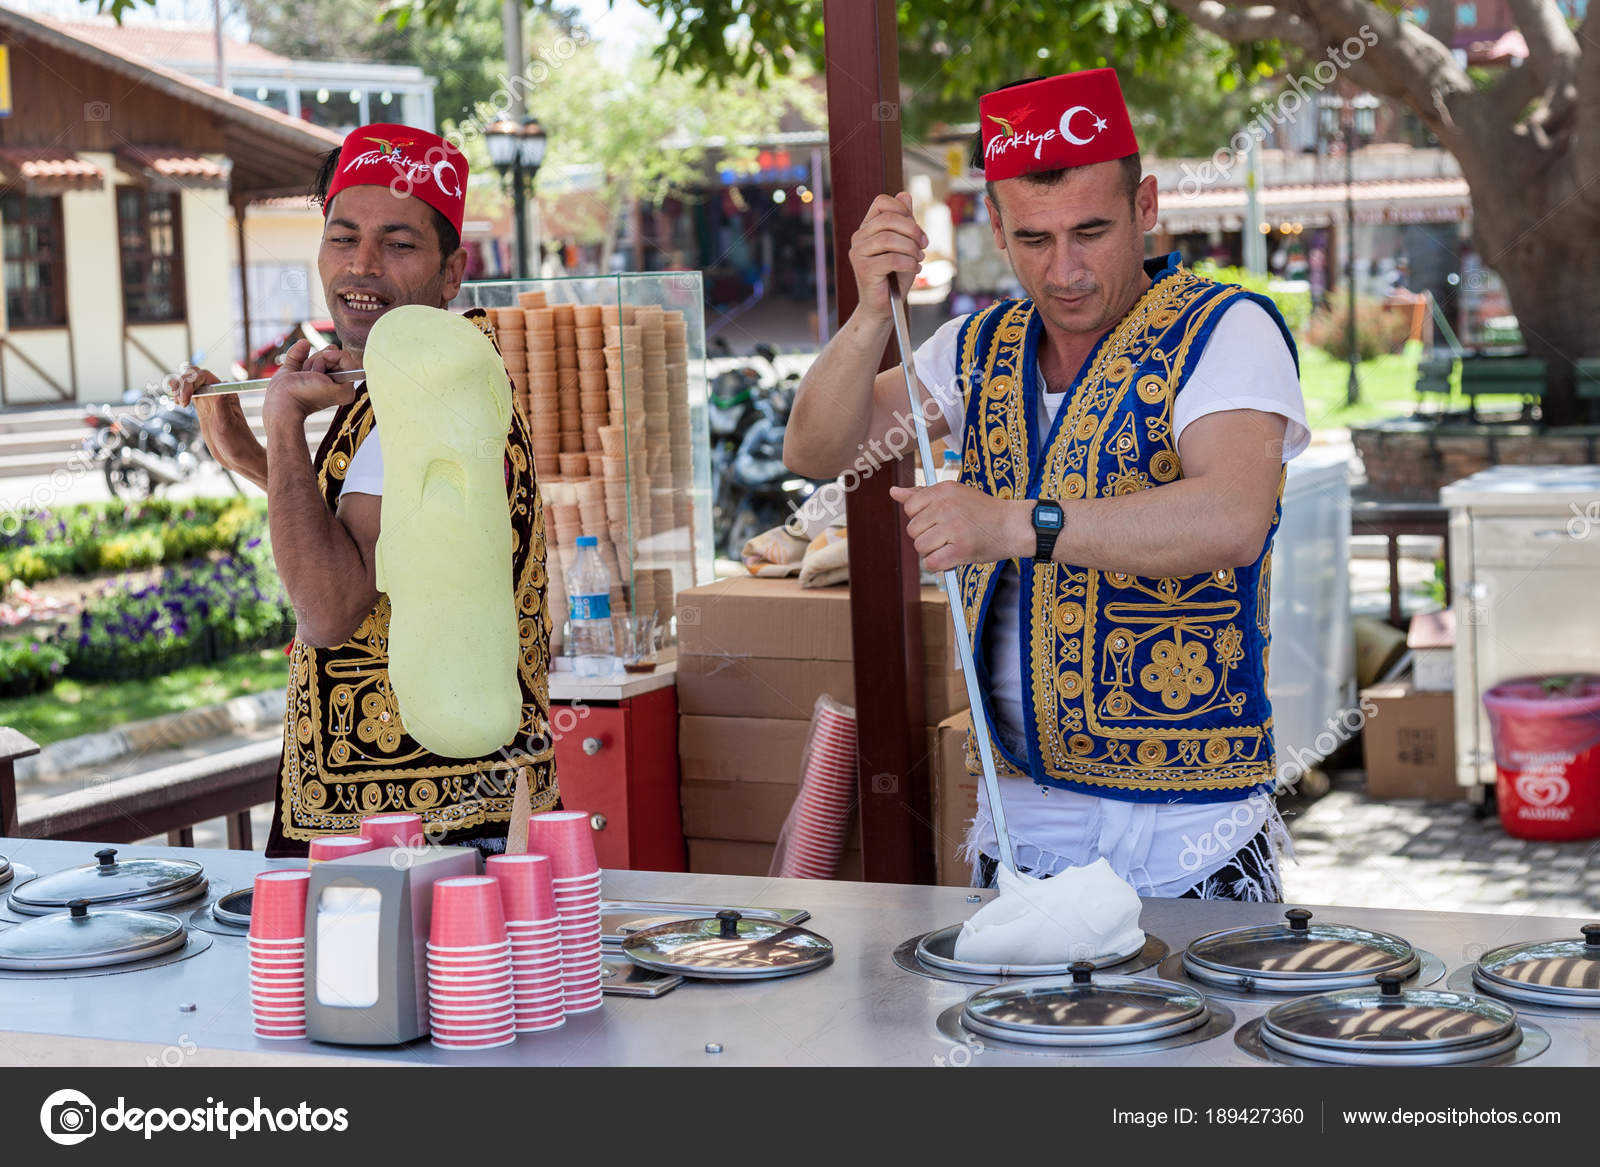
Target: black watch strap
[{"x": 1048, "y": 521}]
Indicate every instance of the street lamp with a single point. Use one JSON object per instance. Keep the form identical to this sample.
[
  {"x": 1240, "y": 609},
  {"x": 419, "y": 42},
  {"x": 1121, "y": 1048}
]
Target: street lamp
[{"x": 518, "y": 150}]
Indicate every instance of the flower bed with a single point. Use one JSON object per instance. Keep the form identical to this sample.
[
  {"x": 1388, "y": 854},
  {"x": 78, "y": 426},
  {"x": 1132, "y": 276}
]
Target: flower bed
[
  {"x": 193, "y": 614},
  {"x": 95, "y": 537}
]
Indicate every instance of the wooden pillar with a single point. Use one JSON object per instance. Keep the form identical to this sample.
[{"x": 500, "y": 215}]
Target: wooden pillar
[
  {"x": 863, "y": 82},
  {"x": 239, "y": 205}
]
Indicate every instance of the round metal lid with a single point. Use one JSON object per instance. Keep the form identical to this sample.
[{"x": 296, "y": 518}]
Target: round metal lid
[
  {"x": 1084, "y": 1010},
  {"x": 79, "y": 938},
  {"x": 1548, "y": 972},
  {"x": 5, "y": 870},
  {"x": 138, "y": 884},
  {"x": 1297, "y": 956},
  {"x": 1386, "y": 1024},
  {"x": 234, "y": 908},
  {"x": 728, "y": 946}
]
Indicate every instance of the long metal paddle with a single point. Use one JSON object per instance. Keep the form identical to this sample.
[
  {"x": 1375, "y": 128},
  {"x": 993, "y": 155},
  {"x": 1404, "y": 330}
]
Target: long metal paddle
[{"x": 952, "y": 589}]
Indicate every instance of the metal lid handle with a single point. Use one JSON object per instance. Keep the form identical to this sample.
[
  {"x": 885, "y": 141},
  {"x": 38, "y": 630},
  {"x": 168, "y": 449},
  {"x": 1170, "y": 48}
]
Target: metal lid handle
[
  {"x": 730, "y": 923},
  {"x": 107, "y": 856},
  {"x": 1389, "y": 987},
  {"x": 79, "y": 909},
  {"x": 1299, "y": 920},
  {"x": 1081, "y": 971}
]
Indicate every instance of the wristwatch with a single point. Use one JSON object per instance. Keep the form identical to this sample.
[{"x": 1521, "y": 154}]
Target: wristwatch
[{"x": 1048, "y": 519}]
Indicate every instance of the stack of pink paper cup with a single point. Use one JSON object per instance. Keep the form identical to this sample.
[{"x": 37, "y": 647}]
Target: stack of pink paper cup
[
  {"x": 278, "y": 954},
  {"x": 393, "y": 830},
  {"x": 533, "y": 926},
  {"x": 565, "y": 836},
  {"x": 469, "y": 966},
  {"x": 814, "y": 835},
  {"x": 338, "y": 846}
]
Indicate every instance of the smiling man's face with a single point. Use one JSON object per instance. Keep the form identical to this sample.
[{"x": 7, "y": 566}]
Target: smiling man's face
[{"x": 378, "y": 250}]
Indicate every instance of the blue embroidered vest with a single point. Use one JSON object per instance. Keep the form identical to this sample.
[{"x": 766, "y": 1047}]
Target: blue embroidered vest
[{"x": 1134, "y": 688}]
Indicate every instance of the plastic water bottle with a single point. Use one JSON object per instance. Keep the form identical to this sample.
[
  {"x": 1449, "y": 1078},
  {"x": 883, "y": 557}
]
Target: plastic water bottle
[
  {"x": 950, "y": 471},
  {"x": 589, "y": 611}
]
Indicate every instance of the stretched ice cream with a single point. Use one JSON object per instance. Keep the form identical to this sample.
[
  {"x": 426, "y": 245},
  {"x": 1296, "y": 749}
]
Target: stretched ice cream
[{"x": 1081, "y": 914}]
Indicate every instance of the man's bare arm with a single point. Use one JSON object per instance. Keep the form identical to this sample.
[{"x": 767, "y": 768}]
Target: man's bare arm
[
  {"x": 326, "y": 560},
  {"x": 1216, "y": 516}
]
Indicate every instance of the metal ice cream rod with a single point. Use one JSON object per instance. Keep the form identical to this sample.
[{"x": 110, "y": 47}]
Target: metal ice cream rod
[
  {"x": 952, "y": 588},
  {"x": 342, "y": 376}
]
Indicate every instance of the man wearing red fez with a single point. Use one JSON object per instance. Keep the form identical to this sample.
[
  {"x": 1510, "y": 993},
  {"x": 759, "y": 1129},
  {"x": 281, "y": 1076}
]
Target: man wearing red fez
[
  {"x": 1123, "y": 429},
  {"x": 392, "y": 199}
]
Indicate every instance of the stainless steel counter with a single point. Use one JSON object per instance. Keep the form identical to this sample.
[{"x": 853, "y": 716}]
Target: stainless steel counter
[{"x": 861, "y": 1011}]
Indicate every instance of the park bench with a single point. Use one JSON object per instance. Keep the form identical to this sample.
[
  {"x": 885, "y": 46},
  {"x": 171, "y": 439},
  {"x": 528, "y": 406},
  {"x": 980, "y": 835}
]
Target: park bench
[{"x": 1520, "y": 376}]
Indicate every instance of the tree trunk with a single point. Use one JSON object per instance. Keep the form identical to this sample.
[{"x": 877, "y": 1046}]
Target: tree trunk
[{"x": 1545, "y": 246}]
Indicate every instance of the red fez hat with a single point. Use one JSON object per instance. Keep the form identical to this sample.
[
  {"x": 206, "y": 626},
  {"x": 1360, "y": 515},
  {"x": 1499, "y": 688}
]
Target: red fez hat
[
  {"x": 1076, "y": 119},
  {"x": 408, "y": 161}
]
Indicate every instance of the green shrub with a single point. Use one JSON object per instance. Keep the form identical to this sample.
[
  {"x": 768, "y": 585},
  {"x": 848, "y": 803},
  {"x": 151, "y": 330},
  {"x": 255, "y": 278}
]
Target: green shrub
[
  {"x": 1294, "y": 307},
  {"x": 27, "y": 666},
  {"x": 1377, "y": 331}
]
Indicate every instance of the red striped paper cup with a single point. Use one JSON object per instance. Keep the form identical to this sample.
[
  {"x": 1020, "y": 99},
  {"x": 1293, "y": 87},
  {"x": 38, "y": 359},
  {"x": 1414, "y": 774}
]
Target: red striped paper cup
[
  {"x": 525, "y": 889},
  {"x": 393, "y": 830},
  {"x": 568, "y": 839},
  {"x": 338, "y": 846},
  {"x": 278, "y": 908},
  {"x": 467, "y": 913}
]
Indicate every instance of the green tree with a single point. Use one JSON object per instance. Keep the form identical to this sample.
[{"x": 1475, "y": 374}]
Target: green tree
[
  {"x": 1527, "y": 139},
  {"x": 650, "y": 136}
]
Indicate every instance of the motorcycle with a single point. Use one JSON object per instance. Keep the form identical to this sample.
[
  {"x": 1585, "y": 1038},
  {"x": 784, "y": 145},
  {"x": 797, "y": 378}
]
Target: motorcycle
[
  {"x": 760, "y": 492},
  {"x": 158, "y": 444},
  {"x": 730, "y": 411}
]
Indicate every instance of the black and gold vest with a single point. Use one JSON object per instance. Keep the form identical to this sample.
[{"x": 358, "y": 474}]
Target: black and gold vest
[
  {"x": 346, "y": 753},
  {"x": 1134, "y": 688}
]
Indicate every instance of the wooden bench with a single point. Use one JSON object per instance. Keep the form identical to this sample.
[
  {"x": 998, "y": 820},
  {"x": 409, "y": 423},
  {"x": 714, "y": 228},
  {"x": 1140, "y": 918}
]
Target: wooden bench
[
  {"x": 1523, "y": 377},
  {"x": 169, "y": 800}
]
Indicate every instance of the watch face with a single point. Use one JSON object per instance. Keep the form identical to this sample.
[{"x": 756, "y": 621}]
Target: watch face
[{"x": 1047, "y": 516}]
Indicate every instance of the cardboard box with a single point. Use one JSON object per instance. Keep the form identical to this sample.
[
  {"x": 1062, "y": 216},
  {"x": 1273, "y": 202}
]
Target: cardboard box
[
  {"x": 721, "y": 857},
  {"x": 748, "y": 749},
  {"x": 779, "y": 619},
  {"x": 955, "y": 800},
  {"x": 756, "y": 763},
  {"x": 746, "y": 686},
  {"x": 1432, "y": 641},
  {"x": 1410, "y": 744}
]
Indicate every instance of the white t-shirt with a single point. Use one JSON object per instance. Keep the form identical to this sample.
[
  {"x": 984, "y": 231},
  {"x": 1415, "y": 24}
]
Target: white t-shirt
[
  {"x": 1244, "y": 365},
  {"x": 364, "y": 475}
]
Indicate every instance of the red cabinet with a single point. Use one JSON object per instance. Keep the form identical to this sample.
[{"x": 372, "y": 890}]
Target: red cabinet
[{"x": 619, "y": 762}]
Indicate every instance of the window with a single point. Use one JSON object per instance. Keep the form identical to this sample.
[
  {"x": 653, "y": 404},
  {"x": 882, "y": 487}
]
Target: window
[
  {"x": 150, "y": 232},
  {"x": 1466, "y": 15},
  {"x": 35, "y": 261},
  {"x": 277, "y": 99}
]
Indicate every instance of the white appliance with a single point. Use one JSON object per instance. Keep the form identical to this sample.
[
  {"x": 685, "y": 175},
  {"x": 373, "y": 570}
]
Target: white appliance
[
  {"x": 1311, "y": 667},
  {"x": 1525, "y": 566}
]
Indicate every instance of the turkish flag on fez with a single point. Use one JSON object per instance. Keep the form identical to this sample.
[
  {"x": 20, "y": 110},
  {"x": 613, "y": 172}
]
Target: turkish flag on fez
[
  {"x": 1076, "y": 119},
  {"x": 408, "y": 161}
]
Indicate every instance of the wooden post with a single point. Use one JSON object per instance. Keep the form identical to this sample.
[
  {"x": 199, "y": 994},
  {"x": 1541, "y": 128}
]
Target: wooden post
[
  {"x": 13, "y": 745},
  {"x": 239, "y": 205},
  {"x": 863, "y": 81}
]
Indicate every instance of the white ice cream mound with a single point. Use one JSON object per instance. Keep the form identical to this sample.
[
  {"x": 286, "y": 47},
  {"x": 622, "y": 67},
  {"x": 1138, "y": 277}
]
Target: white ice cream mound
[{"x": 1081, "y": 914}]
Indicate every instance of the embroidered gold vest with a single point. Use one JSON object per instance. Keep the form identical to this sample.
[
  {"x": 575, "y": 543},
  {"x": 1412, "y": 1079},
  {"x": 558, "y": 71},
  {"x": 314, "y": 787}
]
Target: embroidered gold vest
[
  {"x": 1134, "y": 688},
  {"x": 346, "y": 753}
]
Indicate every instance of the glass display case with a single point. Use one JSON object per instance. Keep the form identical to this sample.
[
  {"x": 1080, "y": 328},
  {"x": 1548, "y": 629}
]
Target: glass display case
[{"x": 610, "y": 373}]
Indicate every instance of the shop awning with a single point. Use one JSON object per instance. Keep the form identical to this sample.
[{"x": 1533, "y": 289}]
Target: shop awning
[
  {"x": 172, "y": 167},
  {"x": 41, "y": 171},
  {"x": 1419, "y": 200}
]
